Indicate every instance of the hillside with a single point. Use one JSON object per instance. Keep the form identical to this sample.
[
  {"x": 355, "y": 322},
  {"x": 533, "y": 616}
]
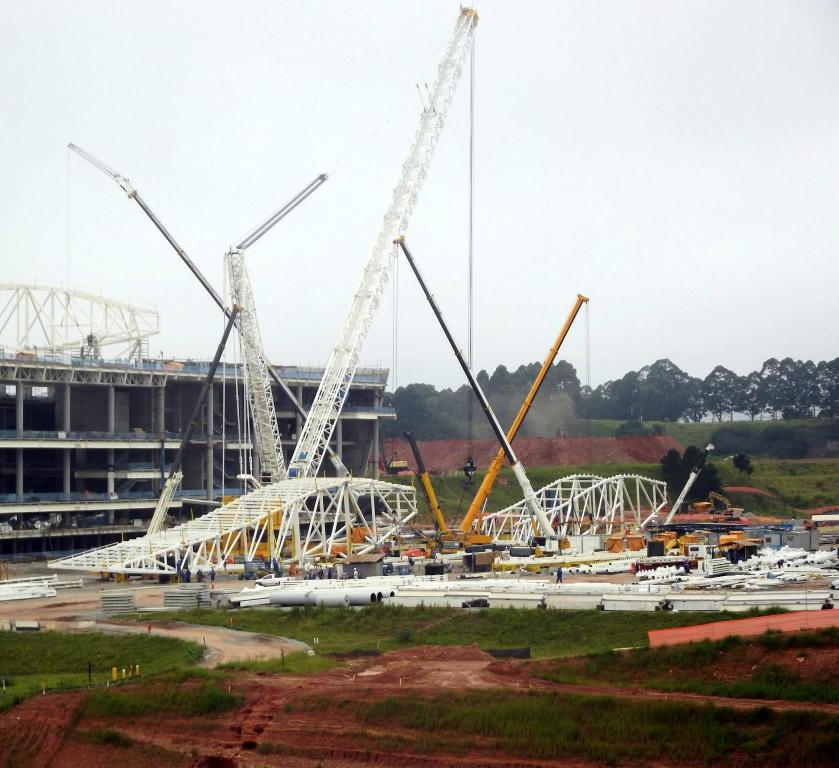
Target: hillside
[
  {"x": 787, "y": 488},
  {"x": 450, "y": 455}
]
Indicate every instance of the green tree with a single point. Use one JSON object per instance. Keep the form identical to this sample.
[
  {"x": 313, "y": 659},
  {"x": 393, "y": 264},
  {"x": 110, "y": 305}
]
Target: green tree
[
  {"x": 677, "y": 468},
  {"x": 742, "y": 462},
  {"x": 720, "y": 391}
]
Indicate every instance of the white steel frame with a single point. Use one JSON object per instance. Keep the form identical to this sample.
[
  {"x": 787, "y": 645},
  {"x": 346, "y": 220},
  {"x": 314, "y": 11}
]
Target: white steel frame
[
  {"x": 581, "y": 505},
  {"x": 298, "y": 519},
  {"x": 340, "y": 369},
  {"x": 57, "y": 321}
]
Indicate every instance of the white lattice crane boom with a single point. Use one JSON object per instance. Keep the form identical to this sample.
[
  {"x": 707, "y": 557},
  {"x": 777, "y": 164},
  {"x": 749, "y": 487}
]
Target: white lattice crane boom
[
  {"x": 340, "y": 369},
  {"x": 255, "y": 374}
]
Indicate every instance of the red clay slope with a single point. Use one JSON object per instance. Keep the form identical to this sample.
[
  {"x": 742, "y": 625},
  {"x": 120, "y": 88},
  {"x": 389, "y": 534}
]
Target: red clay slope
[
  {"x": 794, "y": 621},
  {"x": 450, "y": 455}
]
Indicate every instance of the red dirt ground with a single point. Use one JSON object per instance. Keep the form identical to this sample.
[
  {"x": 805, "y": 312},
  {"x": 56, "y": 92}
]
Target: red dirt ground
[
  {"x": 273, "y": 729},
  {"x": 450, "y": 455},
  {"x": 819, "y": 510},
  {"x": 794, "y": 621}
]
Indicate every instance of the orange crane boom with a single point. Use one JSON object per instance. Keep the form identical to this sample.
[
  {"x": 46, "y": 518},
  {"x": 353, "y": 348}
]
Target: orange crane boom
[{"x": 477, "y": 505}]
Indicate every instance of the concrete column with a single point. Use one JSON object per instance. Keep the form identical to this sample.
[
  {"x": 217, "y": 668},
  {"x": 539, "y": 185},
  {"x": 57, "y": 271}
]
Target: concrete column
[
  {"x": 19, "y": 451},
  {"x": 161, "y": 410},
  {"x": 111, "y": 409},
  {"x": 67, "y": 421},
  {"x": 110, "y": 460},
  {"x": 67, "y": 480},
  {"x": 19, "y": 473},
  {"x": 298, "y": 419},
  {"x": 19, "y": 408},
  {"x": 339, "y": 438},
  {"x": 377, "y": 401},
  {"x": 66, "y": 475},
  {"x": 110, "y": 455},
  {"x": 208, "y": 478}
]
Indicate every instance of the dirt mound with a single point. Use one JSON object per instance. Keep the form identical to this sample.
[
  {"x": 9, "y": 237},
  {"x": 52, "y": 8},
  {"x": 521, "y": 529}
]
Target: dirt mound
[
  {"x": 450, "y": 455},
  {"x": 819, "y": 510},
  {"x": 747, "y": 489}
]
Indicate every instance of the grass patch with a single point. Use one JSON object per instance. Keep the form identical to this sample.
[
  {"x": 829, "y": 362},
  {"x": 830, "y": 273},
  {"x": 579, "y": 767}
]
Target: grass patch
[
  {"x": 554, "y": 726},
  {"x": 52, "y": 661},
  {"x": 549, "y": 633},
  {"x": 107, "y": 736},
  {"x": 159, "y": 697},
  {"x": 689, "y": 668}
]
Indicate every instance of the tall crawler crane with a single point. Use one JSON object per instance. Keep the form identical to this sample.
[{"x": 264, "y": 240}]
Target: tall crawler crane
[
  {"x": 258, "y": 373},
  {"x": 256, "y": 368},
  {"x": 531, "y": 502},
  {"x": 340, "y": 369}
]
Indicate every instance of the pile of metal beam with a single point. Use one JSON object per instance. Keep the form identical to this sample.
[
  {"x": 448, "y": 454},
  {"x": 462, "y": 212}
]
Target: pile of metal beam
[
  {"x": 28, "y": 588},
  {"x": 187, "y": 597},
  {"x": 117, "y": 602}
]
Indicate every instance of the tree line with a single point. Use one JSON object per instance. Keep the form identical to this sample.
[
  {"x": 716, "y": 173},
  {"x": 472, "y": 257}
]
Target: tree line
[{"x": 786, "y": 389}]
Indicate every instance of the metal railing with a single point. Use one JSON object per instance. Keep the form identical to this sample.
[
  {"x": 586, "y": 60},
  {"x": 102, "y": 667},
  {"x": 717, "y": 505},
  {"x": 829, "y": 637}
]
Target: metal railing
[
  {"x": 51, "y": 498},
  {"x": 285, "y": 372}
]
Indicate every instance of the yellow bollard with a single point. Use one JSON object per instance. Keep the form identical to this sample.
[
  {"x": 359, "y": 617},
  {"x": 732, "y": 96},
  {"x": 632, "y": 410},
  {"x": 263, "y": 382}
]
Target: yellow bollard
[
  {"x": 138, "y": 670},
  {"x": 123, "y": 673},
  {"x": 113, "y": 673}
]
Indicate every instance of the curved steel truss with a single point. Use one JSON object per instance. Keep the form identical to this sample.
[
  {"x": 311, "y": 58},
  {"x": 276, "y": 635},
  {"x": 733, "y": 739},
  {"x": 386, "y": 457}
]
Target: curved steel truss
[
  {"x": 292, "y": 520},
  {"x": 581, "y": 505},
  {"x": 60, "y": 321}
]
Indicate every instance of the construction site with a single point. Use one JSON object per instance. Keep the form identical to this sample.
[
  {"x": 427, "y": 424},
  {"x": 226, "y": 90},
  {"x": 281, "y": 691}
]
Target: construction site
[{"x": 289, "y": 587}]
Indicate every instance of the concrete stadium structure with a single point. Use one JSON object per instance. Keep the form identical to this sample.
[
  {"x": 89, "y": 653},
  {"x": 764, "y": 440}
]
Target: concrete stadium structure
[{"x": 84, "y": 444}]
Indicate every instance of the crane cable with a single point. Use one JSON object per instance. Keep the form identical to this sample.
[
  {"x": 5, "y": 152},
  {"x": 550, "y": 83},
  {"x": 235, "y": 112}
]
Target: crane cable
[
  {"x": 68, "y": 217},
  {"x": 588, "y": 351},
  {"x": 395, "y": 320},
  {"x": 470, "y": 281}
]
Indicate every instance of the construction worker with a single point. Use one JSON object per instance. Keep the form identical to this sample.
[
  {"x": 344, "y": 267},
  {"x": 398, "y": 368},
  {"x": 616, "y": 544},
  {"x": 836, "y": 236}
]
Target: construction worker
[{"x": 559, "y": 575}]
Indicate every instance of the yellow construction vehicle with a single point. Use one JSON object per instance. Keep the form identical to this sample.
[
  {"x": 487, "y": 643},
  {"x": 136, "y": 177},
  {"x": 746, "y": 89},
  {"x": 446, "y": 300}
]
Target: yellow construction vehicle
[
  {"x": 427, "y": 487},
  {"x": 454, "y": 539},
  {"x": 446, "y": 540},
  {"x": 477, "y": 506}
]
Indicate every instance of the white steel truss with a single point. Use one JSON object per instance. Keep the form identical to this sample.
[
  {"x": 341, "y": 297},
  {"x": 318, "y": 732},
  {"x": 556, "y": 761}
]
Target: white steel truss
[
  {"x": 291, "y": 521},
  {"x": 335, "y": 385},
  {"x": 255, "y": 372},
  {"x": 60, "y": 321},
  {"x": 170, "y": 488},
  {"x": 581, "y": 505}
]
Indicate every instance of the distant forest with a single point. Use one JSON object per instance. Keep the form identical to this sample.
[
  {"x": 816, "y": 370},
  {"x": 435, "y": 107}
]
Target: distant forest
[{"x": 781, "y": 389}]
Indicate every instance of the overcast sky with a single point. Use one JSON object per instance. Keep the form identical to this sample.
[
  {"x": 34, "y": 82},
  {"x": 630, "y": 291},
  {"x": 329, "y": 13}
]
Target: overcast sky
[{"x": 677, "y": 162}]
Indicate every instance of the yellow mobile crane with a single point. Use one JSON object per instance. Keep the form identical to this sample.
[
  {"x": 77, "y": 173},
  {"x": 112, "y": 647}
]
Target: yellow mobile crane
[
  {"x": 453, "y": 539},
  {"x": 425, "y": 480},
  {"x": 477, "y": 505}
]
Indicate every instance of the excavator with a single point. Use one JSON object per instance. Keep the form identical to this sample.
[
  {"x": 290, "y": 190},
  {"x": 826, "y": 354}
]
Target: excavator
[{"x": 464, "y": 535}]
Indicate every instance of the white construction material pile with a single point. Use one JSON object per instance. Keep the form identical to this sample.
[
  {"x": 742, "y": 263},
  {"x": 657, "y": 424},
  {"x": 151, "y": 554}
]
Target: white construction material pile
[
  {"x": 717, "y": 585},
  {"x": 328, "y": 592},
  {"x": 28, "y": 588}
]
